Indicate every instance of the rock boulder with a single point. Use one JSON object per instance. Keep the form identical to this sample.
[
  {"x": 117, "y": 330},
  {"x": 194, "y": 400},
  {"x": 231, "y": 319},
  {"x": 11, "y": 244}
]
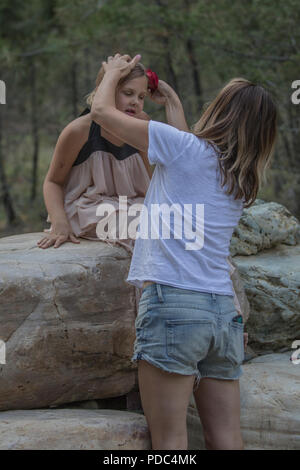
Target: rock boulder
[
  {"x": 69, "y": 429},
  {"x": 270, "y": 412},
  {"x": 271, "y": 280},
  {"x": 67, "y": 320},
  {"x": 262, "y": 226}
]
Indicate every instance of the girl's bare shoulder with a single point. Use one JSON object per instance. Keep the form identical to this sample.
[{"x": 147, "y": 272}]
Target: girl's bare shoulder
[
  {"x": 70, "y": 141},
  {"x": 79, "y": 128}
]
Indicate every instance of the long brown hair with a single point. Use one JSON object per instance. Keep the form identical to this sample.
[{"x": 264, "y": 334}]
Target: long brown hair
[
  {"x": 138, "y": 71},
  {"x": 241, "y": 124}
]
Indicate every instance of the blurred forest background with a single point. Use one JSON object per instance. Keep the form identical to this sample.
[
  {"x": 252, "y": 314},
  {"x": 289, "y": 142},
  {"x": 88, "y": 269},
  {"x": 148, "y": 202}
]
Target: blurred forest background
[{"x": 51, "y": 51}]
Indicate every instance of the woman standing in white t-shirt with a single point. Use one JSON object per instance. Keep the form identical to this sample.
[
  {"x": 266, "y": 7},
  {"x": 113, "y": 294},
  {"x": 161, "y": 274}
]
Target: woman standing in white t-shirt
[{"x": 187, "y": 326}]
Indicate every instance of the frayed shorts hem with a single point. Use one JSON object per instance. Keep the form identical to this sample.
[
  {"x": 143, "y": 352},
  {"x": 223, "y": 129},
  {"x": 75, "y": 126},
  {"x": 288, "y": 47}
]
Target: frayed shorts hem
[
  {"x": 198, "y": 376},
  {"x": 142, "y": 356},
  {"x": 212, "y": 375}
]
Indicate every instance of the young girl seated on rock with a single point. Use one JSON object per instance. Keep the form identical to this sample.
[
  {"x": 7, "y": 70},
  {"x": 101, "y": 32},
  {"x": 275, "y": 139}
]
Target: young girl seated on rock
[{"x": 91, "y": 166}]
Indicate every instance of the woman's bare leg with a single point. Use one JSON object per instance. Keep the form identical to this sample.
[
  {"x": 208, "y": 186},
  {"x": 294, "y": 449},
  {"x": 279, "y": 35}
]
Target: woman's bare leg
[
  {"x": 165, "y": 398},
  {"x": 218, "y": 404}
]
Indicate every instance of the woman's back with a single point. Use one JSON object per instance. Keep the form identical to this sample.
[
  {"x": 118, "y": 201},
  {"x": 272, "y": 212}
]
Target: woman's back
[{"x": 190, "y": 248}]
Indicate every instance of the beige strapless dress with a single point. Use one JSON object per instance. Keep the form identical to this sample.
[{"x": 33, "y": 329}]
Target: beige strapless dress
[{"x": 100, "y": 179}]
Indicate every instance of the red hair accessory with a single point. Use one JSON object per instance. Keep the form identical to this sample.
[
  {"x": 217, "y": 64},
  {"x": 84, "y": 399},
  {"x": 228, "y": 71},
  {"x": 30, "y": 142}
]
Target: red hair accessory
[{"x": 152, "y": 80}]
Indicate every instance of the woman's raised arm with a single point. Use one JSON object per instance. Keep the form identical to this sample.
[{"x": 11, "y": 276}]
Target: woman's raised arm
[{"x": 103, "y": 110}]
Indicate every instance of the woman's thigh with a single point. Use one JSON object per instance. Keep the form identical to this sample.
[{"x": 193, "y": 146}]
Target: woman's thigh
[
  {"x": 165, "y": 398},
  {"x": 218, "y": 405}
]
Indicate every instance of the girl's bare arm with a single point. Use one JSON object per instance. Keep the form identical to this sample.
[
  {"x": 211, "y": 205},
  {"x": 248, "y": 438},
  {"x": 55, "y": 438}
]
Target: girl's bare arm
[
  {"x": 66, "y": 150},
  {"x": 166, "y": 96}
]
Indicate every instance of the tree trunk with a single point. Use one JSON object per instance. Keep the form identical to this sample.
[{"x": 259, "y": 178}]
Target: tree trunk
[
  {"x": 196, "y": 76},
  {"x": 171, "y": 75},
  {"x": 4, "y": 192},
  {"x": 89, "y": 79},
  {"x": 193, "y": 62},
  {"x": 74, "y": 88},
  {"x": 34, "y": 127},
  {"x": 293, "y": 123}
]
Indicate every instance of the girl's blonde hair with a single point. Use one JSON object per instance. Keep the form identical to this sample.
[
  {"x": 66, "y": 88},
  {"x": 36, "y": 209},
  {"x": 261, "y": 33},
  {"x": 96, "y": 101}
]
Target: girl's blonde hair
[
  {"x": 241, "y": 124},
  {"x": 138, "y": 71}
]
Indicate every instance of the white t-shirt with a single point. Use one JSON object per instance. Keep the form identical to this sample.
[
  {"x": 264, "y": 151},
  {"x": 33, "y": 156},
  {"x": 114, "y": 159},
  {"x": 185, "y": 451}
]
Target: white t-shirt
[{"x": 187, "y": 220}]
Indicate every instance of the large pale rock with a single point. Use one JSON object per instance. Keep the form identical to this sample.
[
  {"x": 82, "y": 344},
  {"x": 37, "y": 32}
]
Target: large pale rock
[
  {"x": 262, "y": 226},
  {"x": 270, "y": 412},
  {"x": 272, "y": 284},
  {"x": 68, "y": 429},
  {"x": 67, "y": 318},
  {"x": 270, "y": 397}
]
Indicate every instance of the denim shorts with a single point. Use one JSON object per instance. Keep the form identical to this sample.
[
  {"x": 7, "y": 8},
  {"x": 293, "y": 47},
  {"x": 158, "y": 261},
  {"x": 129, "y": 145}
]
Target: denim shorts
[{"x": 189, "y": 332}]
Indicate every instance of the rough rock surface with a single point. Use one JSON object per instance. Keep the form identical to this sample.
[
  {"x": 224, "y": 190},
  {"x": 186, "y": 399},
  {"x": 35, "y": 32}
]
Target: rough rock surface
[
  {"x": 270, "y": 412},
  {"x": 262, "y": 226},
  {"x": 68, "y": 429},
  {"x": 240, "y": 293},
  {"x": 272, "y": 283},
  {"x": 67, "y": 318}
]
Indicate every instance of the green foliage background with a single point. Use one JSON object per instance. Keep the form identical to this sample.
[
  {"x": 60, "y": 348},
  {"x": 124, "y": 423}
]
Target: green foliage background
[{"x": 51, "y": 51}]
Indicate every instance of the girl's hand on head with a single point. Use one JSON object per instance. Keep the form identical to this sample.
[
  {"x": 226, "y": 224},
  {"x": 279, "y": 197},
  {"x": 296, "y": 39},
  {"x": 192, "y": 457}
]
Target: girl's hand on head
[
  {"x": 58, "y": 236},
  {"x": 163, "y": 93},
  {"x": 120, "y": 64}
]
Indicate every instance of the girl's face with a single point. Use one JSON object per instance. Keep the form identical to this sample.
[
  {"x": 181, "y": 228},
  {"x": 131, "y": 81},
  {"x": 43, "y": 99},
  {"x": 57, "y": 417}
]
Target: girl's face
[{"x": 130, "y": 96}]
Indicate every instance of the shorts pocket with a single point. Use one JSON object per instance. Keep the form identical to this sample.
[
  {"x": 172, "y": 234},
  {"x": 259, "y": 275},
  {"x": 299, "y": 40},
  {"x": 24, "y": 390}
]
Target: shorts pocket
[
  {"x": 188, "y": 341},
  {"x": 235, "y": 346}
]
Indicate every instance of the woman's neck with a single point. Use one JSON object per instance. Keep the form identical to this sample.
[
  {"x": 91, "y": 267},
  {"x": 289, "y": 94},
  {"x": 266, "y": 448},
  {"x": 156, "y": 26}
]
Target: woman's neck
[{"x": 111, "y": 138}]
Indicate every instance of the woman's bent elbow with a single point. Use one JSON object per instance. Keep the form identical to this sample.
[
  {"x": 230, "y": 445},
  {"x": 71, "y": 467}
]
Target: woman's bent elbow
[{"x": 96, "y": 113}]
